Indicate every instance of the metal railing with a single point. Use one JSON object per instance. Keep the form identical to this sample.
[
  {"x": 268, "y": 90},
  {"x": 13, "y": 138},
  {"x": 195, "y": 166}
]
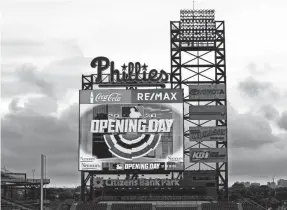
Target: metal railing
[{"x": 30, "y": 181}]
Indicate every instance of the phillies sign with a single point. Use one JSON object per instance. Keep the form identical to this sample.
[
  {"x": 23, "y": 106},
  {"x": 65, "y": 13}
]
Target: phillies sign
[{"x": 133, "y": 72}]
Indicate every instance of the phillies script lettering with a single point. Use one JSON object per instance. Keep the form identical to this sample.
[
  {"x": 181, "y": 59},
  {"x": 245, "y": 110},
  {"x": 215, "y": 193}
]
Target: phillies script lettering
[
  {"x": 112, "y": 97},
  {"x": 131, "y": 73}
]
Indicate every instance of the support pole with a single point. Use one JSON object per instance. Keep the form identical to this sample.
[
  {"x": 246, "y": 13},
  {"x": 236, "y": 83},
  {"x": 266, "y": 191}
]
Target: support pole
[
  {"x": 42, "y": 175},
  {"x": 25, "y": 187},
  {"x": 83, "y": 185},
  {"x": 92, "y": 187}
]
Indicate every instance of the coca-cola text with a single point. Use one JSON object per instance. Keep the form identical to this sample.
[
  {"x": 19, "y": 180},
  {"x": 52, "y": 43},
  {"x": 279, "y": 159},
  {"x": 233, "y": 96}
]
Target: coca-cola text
[{"x": 113, "y": 97}]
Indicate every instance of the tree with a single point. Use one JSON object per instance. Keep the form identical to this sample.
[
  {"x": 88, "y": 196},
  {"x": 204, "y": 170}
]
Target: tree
[{"x": 65, "y": 195}]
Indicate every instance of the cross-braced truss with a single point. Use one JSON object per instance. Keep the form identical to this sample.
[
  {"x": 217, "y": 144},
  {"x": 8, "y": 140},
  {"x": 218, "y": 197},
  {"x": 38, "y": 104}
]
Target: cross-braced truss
[{"x": 197, "y": 58}]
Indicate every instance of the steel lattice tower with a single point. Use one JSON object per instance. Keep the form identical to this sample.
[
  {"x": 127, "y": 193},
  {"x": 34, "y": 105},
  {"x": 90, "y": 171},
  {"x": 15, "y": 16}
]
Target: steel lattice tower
[
  {"x": 197, "y": 57},
  {"x": 197, "y": 49}
]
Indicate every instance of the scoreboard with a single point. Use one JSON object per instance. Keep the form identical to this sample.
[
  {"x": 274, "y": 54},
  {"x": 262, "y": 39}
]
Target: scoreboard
[{"x": 159, "y": 167}]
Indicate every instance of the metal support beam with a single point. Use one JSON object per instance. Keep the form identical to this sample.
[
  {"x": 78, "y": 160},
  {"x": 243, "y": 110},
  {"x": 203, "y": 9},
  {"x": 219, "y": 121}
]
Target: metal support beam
[
  {"x": 83, "y": 186},
  {"x": 42, "y": 177},
  {"x": 198, "y": 57}
]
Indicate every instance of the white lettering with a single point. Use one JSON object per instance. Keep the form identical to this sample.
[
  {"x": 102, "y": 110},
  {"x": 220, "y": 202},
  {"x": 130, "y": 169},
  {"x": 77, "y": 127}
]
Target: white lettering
[
  {"x": 113, "y": 97},
  {"x": 173, "y": 96},
  {"x": 134, "y": 125},
  {"x": 169, "y": 124},
  {"x": 161, "y": 126},
  {"x": 94, "y": 126},
  {"x": 153, "y": 124},
  {"x": 166, "y": 96},
  {"x": 147, "y": 96},
  {"x": 142, "y": 166},
  {"x": 111, "y": 125},
  {"x": 157, "y": 96},
  {"x": 140, "y": 97},
  {"x": 200, "y": 155},
  {"x": 103, "y": 125},
  {"x": 141, "y": 127}
]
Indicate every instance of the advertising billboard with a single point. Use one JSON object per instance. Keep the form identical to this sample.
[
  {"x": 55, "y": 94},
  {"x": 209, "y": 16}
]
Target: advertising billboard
[
  {"x": 207, "y": 92},
  {"x": 103, "y": 183},
  {"x": 207, "y": 133},
  {"x": 199, "y": 178},
  {"x": 131, "y": 130},
  {"x": 207, "y": 112},
  {"x": 100, "y": 182},
  {"x": 208, "y": 155}
]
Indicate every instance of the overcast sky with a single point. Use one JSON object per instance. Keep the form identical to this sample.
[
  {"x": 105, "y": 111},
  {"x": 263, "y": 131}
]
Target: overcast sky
[{"x": 47, "y": 45}]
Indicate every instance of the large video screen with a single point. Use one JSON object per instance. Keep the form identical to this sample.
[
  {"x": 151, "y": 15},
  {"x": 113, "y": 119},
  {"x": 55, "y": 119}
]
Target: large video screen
[{"x": 131, "y": 130}]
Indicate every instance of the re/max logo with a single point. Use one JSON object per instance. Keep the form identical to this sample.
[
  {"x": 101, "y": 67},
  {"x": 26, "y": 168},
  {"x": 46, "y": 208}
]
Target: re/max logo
[{"x": 162, "y": 96}]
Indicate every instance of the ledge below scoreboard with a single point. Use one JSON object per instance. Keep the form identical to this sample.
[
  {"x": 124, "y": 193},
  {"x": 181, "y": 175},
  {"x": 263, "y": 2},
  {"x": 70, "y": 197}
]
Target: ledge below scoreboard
[{"x": 159, "y": 167}]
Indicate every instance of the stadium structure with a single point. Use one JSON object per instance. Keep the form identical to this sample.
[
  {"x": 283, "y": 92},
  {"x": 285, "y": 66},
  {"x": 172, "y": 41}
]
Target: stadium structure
[
  {"x": 195, "y": 179},
  {"x": 12, "y": 182},
  {"x": 198, "y": 67}
]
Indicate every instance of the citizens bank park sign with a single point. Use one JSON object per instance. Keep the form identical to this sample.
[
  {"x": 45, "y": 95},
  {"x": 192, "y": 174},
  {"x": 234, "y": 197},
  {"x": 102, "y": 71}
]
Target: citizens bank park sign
[
  {"x": 103, "y": 183},
  {"x": 130, "y": 126}
]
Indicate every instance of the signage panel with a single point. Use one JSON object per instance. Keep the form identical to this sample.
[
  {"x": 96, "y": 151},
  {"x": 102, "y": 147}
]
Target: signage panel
[
  {"x": 208, "y": 155},
  {"x": 207, "y": 133},
  {"x": 130, "y": 74},
  {"x": 102, "y": 183},
  {"x": 207, "y": 112},
  {"x": 131, "y": 130},
  {"x": 207, "y": 92}
]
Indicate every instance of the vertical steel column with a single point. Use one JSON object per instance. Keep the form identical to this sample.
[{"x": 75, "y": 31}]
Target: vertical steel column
[
  {"x": 87, "y": 84},
  {"x": 220, "y": 64},
  {"x": 83, "y": 186},
  {"x": 175, "y": 55},
  {"x": 196, "y": 35},
  {"x": 42, "y": 175},
  {"x": 92, "y": 191}
]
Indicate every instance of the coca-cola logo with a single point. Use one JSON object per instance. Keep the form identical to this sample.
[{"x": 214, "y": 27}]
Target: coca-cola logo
[{"x": 113, "y": 97}]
